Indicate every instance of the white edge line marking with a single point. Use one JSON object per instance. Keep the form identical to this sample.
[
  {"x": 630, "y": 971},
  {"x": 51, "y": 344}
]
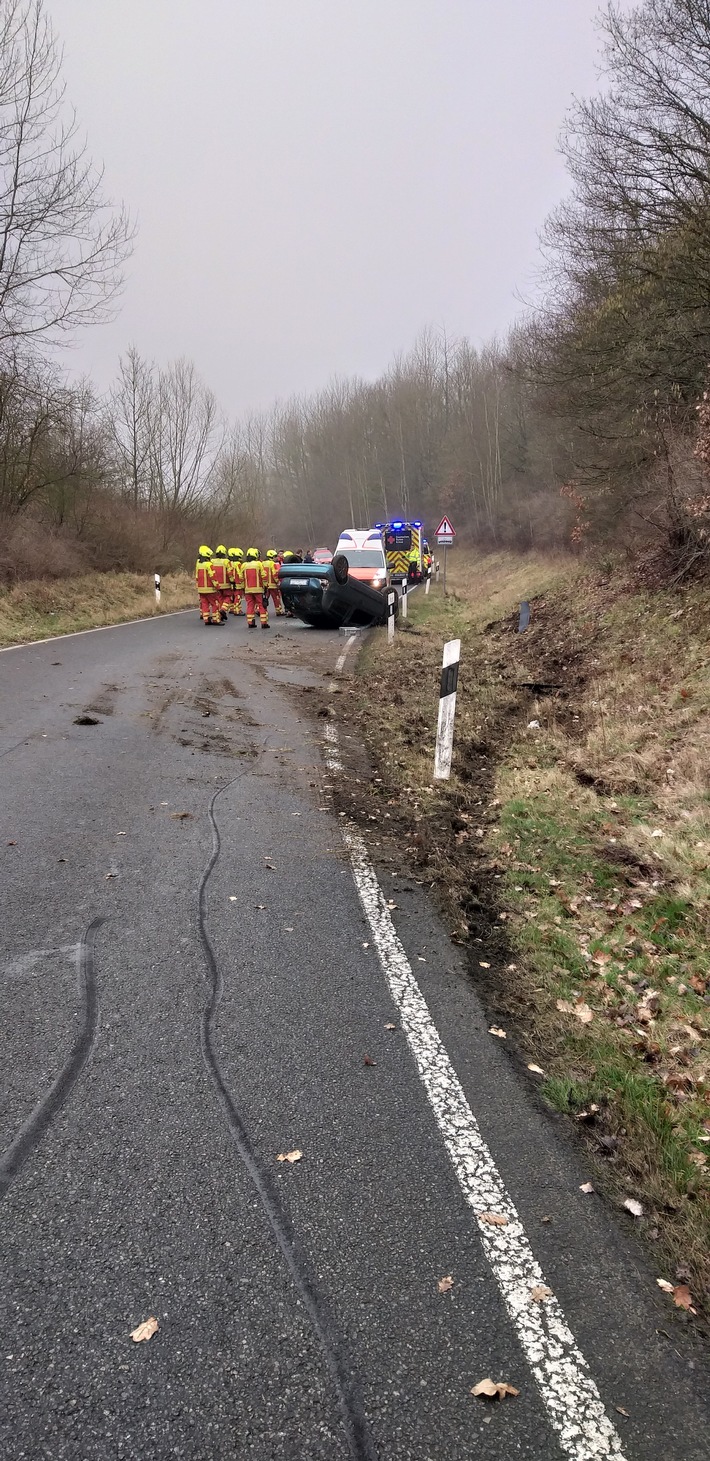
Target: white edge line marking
[
  {"x": 99, "y": 628},
  {"x": 342, "y": 657},
  {"x": 573, "y": 1403},
  {"x": 332, "y": 759}
]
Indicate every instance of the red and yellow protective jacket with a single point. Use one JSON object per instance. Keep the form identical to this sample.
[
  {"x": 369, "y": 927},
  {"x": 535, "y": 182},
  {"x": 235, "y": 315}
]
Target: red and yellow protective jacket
[
  {"x": 271, "y": 567},
  {"x": 235, "y": 572},
  {"x": 220, "y": 571},
  {"x": 254, "y": 577},
  {"x": 204, "y": 577}
]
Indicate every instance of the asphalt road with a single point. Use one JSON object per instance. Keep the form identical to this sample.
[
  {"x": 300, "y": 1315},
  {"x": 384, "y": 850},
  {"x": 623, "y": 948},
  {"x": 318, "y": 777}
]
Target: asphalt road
[{"x": 156, "y": 1062}]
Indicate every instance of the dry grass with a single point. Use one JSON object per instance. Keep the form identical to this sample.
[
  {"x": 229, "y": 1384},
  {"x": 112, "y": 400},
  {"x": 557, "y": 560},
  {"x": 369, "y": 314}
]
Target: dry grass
[
  {"x": 40, "y": 608},
  {"x": 543, "y": 849}
]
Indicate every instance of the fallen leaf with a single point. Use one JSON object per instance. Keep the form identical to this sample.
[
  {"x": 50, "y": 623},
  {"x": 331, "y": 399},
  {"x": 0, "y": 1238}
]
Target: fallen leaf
[
  {"x": 621, "y": 1410},
  {"x": 367, "y": 1060},
  {"x": 633, "y": 1207},
  {"x": 233, "y": 898},
  {"x": 445, "y": 1284},
  {"x": 540, "y": 1293},
  {"x": 366, "y": 946},
  {"x": 294, "y": 1156},
  {"x": 391, "y": 904},
  {"x": 390, "y": 1027},
  {"x": 110, "y": 875},
  {"x": 665, "y": 1285},
  {"x": 586, "y": 1187},
  {"x": 494, "y": 1219},
  {"x": 146, "y": 1330},
  {"x": 565, "y": 1006},
  {"x": 536, "y": 1070},
  {"x": 260, "y": 907},
  {"x": 494, "y": 1391},
  {"x": 495, "y": 1030},
  {"x": 181, "y": 816},
  {"x": 657, "y": 832},
  {"x": 483, "y": 964},
  {"x": 682, "y": 1297},
  {"x": 601, "y": 957},
  {"x": 698, "y": 1159},
  {"x": 583, "y": 1013}
]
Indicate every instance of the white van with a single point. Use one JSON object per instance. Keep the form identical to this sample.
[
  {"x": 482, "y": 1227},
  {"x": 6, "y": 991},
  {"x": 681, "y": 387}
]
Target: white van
[{"x": 365, "y": 553}]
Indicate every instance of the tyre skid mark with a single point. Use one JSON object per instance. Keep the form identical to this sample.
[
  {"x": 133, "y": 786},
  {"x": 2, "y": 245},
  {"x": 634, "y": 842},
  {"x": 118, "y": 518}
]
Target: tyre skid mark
[
  {"x": 38, "y": 1123},
  {"x": 356, "y": 1427}
]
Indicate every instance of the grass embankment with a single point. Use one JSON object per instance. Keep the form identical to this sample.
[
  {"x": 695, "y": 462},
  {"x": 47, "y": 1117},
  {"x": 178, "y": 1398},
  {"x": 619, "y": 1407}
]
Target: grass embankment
[
  {"x": 573, "y": 856},
  {"x": 40, "y": 608}
]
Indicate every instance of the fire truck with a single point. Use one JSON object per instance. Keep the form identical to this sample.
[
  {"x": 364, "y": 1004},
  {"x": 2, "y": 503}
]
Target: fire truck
[{"x": 400, "y": 540}]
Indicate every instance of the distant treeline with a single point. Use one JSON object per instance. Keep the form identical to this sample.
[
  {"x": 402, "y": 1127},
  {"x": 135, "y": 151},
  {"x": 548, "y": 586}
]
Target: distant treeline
[{"x": 588, "y": 424}]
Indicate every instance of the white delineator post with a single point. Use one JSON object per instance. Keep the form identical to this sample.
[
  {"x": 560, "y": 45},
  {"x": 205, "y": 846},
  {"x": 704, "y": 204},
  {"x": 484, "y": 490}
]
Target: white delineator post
[
  {"x": 427, "y": 585},
  {"x": 403, "y": 600},
  {"x": 157, "y": 589},
  {"x": 447, "y": 710},
  {"x": 391, "y": 601}
]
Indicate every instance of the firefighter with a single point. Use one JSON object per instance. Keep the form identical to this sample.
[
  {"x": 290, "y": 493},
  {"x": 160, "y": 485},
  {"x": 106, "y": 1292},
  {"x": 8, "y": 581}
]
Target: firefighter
[
  {"x": 206, "y": 587},
  {"x": 254, "y": 576},
  {"x": 220, "y": 570},
  {"x": 413, "y": 567},
  {"x": 273, "y": 588},
  {"x": 236, "y": 568}
]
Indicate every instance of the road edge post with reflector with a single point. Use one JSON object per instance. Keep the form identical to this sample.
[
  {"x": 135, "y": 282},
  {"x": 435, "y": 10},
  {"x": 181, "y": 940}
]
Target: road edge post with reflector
[
  {"x": 447, "y": 710},
  {"x": 157, "y": 590},
  {"x": 403, "y": 601},
  {"x": 391, "y": 602},
  {"x": 427, "y": 585}
]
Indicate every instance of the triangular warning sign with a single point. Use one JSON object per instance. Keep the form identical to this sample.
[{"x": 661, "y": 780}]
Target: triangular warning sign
[{"x": 445, "y": 529}]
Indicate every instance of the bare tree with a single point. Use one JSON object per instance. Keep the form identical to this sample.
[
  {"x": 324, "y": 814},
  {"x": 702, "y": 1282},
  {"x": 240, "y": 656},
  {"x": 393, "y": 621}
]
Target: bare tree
[
  {"x": 185, "y": 439},
  {"x": 62, "y": 243},
  {"x": 131, "y": 414}
]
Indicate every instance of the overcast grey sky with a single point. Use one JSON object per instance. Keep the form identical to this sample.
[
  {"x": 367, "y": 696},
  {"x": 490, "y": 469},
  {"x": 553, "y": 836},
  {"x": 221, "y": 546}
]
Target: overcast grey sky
[{"x": 315, "y": 180}]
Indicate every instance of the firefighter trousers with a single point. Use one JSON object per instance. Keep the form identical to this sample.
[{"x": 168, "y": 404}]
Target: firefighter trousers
[
  {"x": 255, "y": 605},
  {"x": 209, "y": 608}
]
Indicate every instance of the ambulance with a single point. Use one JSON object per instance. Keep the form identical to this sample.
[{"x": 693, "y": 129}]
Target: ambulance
[
  {"x": 366, "y": 556},
  {"x": 400, "y": 540}
]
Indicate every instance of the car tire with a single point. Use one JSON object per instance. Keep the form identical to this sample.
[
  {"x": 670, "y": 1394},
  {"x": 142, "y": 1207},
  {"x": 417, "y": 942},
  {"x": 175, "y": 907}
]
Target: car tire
[{"x": 340, "y": 568}]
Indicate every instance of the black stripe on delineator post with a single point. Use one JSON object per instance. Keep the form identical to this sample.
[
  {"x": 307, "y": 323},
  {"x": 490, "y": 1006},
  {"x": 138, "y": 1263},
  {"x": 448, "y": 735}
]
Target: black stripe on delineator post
[{"x": 449, "y": 680}]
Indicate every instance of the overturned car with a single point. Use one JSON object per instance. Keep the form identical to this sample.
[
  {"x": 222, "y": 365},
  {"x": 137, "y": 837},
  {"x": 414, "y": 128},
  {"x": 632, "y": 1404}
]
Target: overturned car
[{"x": 326, "y": 596}]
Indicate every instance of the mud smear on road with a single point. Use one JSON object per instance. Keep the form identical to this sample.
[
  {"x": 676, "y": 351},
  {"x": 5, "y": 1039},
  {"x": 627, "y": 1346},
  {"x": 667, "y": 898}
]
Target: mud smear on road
[{"x": 207, "y": 715}]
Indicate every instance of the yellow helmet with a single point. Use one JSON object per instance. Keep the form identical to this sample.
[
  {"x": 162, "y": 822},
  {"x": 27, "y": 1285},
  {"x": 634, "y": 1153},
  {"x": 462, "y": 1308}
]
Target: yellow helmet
[
  {"x": 253, "y": 554},
  {"x": 204, "y": 551},
  {"x": 271, "y": 553},
  {"x": 221, "y": 551},
  {"x": 234, "y": 553}
]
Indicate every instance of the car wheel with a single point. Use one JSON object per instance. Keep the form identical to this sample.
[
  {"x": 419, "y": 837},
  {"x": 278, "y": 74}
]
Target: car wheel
[{"x": 340, "y": 568}]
